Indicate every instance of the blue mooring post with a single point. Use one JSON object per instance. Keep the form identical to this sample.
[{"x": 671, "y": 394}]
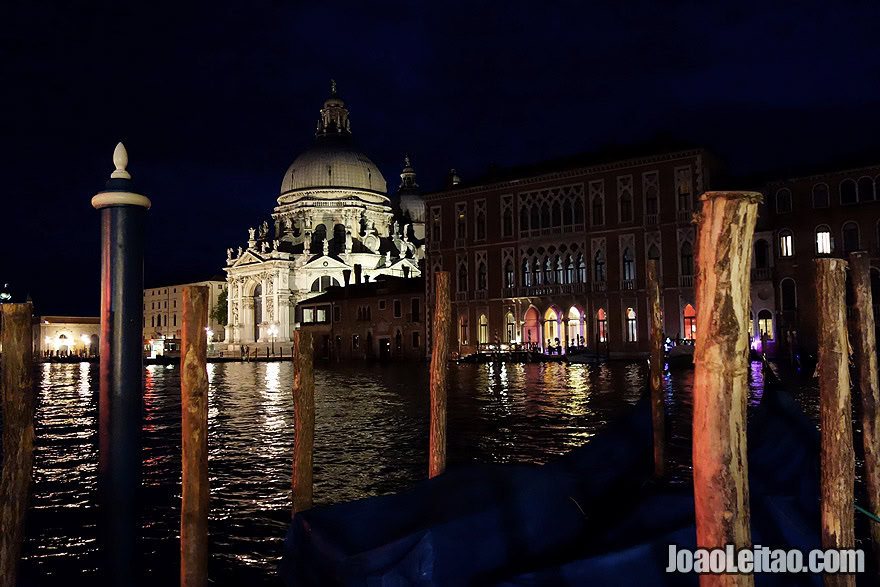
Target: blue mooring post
[{"x": 120, "y": 405}]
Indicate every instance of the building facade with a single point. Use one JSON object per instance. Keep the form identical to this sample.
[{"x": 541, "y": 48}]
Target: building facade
[
  {"x": 382, "y": 319},
  {"x": 333, "y": 226},
  {"x": 829, "y": 214},
  {"x": 556, "y": 256},
  {"x": 63, "y": 336},
  {"x": 163, "y": 310}
]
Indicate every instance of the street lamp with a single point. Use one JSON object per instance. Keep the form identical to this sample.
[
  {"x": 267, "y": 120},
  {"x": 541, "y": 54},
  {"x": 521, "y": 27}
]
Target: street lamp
[{"x": 273, "y": 330}]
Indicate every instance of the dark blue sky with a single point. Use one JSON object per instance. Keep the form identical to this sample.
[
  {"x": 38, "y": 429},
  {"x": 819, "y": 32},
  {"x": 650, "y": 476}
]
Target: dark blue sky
[{"x": 214, "y": 102}]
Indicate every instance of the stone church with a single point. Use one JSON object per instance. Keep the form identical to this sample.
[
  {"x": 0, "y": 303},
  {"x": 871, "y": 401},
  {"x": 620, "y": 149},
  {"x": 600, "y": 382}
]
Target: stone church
[{"x": 334, "y": 225}]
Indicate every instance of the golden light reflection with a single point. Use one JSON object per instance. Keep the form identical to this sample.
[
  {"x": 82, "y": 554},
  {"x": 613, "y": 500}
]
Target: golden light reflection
[{"x": 84, "y": 379}]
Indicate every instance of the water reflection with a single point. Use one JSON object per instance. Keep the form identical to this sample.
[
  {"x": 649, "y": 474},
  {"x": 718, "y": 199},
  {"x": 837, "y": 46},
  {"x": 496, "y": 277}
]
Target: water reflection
[{"x": 371, "y": 438}]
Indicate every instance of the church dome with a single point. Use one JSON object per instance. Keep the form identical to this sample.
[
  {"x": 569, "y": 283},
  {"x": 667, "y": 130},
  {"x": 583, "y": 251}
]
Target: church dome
[{"x": 332, "y": 162}]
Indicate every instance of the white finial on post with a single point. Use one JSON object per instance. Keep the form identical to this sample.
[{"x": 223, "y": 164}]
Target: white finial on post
[{"x": 120, "y": 160}]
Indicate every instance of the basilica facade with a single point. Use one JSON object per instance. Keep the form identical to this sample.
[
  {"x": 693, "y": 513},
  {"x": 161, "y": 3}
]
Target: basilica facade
[{"x": 334, "y": 225}]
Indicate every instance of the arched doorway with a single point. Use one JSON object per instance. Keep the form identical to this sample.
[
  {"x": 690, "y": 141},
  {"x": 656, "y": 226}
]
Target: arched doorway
[
  {"x": 258, "y": 310},
  {"x": 64, "y": 345},
  {"x": 690, "y": 323},
  {"x": 575, "y": 332},
  {"x": 510, "y": 325},
  {"x": 531, "y": 329},
  {"x": 551, "y": 325}
]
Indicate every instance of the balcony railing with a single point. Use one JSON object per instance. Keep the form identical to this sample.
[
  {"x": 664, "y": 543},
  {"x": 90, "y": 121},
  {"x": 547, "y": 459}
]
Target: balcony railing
[
  {"x": 627, "y": 284},
  {"x": 761, "y": 274},
  {"x": 460, "y": 243},
  {"x": 461, "y": 296},
  {"x": 509, "y": 292},
  {"x": 480, "y": 294},
  {"x": 650, "y": 219},
  {"x": 685, "y": 215},
  {"x": 685, "y": 281},
  {"x": 599, "y": 286}
]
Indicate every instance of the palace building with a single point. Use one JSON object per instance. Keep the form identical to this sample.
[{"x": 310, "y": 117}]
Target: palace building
[
  {"x": 333, "y": 226},
  {"x": 554, "y": 255},
  {"x": 820, "y": 215}
]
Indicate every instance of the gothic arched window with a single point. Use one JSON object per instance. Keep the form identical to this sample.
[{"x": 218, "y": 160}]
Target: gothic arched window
[
  {"x": 508, "y": 274},
  {"x": 481, "y": 276},
  {"x": 598, "y": 211},
  {"x": 629, "y": 266},
  {"x": 687, "y": 258},
  {"x": 526, "y": 274},
  {"x": 599, "y": 266},
  {"x": 462, "y": 278}
]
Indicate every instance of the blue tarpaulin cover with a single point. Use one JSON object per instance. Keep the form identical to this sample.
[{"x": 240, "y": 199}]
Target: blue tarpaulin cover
[{"x": 592, "y": 516}]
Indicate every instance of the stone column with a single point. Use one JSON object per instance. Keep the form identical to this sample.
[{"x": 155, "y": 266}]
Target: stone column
[
  {"x": 264, "y": 314},
  {"x": 229, "y": 325}
]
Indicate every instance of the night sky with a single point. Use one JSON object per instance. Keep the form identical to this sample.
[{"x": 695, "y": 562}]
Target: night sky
[{"x": 214, "y": 102}]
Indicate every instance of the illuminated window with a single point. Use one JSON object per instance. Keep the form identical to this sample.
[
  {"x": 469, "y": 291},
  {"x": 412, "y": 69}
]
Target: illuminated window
[
  {"x": 308, "y": 315},
  {"x": 690, "y": 323},
  {"x": 601, "y": 325},
  {"x": 461, "y": 220},
  {"x": 526, "y": 273},
  {"x": 765, "y": 324},
  {"x": 484, "y": 329},
  {"x": 416, "y": 339},
  {"x": 582, "y": 269},
  {"x": 823, "y": 240},
  {"x": 629, "y": 266},
  {"x": 508, "y": 274},
  {"x": 511, "y": 327},
  {"x": 786, "y": 243},
  {"x": 631, "y": 334}
]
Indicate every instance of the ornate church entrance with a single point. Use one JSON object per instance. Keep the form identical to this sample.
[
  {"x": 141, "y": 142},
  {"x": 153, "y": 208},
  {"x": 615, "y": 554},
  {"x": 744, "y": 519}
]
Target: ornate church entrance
[{"x": 258, "y": 310}]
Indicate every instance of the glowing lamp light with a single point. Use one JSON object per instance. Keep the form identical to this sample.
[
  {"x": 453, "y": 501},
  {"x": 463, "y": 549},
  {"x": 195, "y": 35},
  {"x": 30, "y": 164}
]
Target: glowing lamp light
[
  {"x": 85, "y": 339},
  {"x": 48, "y": 340}
]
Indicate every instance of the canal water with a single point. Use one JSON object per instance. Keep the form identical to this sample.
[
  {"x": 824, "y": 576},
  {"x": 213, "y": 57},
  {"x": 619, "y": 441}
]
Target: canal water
[{"x": 371, "y": 438}]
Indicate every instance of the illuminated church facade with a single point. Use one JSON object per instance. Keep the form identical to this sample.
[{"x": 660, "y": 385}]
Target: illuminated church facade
[{"x": 334, "y": 225}]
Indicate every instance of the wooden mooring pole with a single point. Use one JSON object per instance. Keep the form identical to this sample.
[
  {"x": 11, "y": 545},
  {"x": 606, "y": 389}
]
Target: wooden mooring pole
[
  {"x": 17, "y": 387},
  {"x": 304, "y": 420},
  {"x": 658, "y": 414},
  {"x": 194, "y": 433},
  {"x": 721, "y": 491},
  {"x": 838, "y": 458},
  {"x": 865, "y": 347},
  {"x": 439, "y": 357}
]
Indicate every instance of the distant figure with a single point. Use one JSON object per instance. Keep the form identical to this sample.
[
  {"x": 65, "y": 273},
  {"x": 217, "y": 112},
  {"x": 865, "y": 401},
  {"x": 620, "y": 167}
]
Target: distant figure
[
  {"x": 558, "y": 348},
  {"x": 549, "y": 347}
]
